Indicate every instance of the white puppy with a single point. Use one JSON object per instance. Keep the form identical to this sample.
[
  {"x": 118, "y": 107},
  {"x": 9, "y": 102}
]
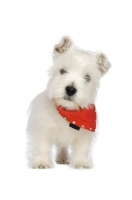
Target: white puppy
[{"x": 64, "y": 114}]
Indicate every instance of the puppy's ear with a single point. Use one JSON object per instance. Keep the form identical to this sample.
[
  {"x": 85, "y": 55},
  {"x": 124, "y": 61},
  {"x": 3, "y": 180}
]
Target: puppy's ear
[
  {"x": 63, "y": 46},
  {"x": 103, "y": 63}
]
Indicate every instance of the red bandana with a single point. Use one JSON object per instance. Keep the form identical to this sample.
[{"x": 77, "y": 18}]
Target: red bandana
[{"x": 83, "y": 118}]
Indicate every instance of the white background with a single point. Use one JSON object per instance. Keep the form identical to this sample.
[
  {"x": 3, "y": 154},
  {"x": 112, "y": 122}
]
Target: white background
[{"x": 28, "y": 31}]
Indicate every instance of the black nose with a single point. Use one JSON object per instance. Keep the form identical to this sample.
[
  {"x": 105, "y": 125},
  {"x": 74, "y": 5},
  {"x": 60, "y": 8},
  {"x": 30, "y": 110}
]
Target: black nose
[{"x": 70, "y": 90}]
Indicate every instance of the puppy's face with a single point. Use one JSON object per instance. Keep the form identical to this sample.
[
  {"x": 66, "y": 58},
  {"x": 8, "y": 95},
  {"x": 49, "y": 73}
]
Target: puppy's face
[{"x": 75, "y": 75}]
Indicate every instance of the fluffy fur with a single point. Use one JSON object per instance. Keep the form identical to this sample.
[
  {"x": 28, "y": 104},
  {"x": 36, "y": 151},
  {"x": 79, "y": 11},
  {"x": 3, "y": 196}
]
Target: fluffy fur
[{"x": 45, "y": 126}]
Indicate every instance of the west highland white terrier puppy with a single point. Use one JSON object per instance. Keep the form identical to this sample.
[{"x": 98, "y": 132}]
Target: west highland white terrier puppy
[{"x": 64, "y": 115}]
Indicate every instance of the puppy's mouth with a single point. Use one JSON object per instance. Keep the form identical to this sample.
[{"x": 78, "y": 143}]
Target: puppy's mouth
[
  {"x": 68, "y": 98},
  {"x": 72, "y": 100}
]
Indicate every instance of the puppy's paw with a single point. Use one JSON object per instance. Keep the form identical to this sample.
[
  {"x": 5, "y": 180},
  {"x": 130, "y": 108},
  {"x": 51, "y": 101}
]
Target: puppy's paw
[
  {"x": 85, "y": 165},
  {"x": 62, "y": 161},
  {"x": 41, "y": 165}
]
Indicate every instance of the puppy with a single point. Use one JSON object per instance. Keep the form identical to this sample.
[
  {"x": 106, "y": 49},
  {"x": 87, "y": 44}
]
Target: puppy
[{"x": 64, "y": 115}]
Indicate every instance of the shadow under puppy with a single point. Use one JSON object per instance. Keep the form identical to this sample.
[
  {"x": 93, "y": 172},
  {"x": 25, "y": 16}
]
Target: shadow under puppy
[{"x": 64, "y": 114}]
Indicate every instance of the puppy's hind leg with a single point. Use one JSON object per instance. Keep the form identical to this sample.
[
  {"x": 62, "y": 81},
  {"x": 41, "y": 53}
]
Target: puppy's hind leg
[{"x": 62, "y": 155}]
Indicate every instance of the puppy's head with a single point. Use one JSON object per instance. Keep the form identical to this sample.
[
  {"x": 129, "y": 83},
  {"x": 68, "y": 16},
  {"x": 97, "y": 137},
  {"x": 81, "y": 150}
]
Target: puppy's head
[{"x": 75, "y": 75}]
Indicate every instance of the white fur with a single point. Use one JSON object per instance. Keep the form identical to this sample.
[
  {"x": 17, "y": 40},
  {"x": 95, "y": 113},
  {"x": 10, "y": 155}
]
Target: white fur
[{"x": 45, "y": 125}]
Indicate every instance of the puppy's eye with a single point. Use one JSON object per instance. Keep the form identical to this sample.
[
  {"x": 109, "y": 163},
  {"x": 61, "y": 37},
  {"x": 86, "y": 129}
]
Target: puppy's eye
[
  {"x": 63, "y": 71},
  {"x": 87, "y": 78}
]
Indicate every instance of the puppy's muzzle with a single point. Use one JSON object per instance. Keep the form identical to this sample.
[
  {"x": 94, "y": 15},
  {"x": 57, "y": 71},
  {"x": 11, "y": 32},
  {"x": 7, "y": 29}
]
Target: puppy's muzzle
[{"x": 70, "y": 90}]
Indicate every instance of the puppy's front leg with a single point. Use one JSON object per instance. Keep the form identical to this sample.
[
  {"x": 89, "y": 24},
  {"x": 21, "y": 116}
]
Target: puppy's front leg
[
  {"x": 80, "y": 157},
  {"x": 40, "y": 154}
]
